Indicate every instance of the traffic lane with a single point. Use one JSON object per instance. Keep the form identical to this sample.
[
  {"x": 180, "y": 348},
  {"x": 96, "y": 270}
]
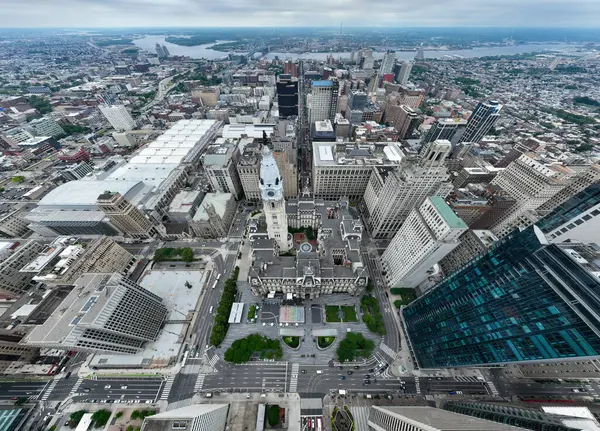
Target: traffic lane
[
  {"x": 134, "y": 388},
  {"x": 551, "y": 389},
  {"x": 248, "y": 377},
  {"x": 9, "y": 390},
  {"x": 451, "y": 385}
]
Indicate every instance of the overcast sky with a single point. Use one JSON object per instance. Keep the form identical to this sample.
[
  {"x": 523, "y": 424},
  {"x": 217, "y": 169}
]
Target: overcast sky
[{"x": 197, "y": 13}]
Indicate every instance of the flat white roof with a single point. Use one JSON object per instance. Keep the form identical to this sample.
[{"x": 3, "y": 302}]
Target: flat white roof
[
  {"x": 325, "y": 153},
  {"x": 237, "y": 309}
]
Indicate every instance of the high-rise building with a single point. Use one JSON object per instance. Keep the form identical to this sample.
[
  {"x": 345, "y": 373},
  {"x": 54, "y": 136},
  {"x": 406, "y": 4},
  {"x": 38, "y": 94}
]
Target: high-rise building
[
  {"x": 404, "y": 72},
  {"x": 525, "y": 300},
  {"x": 125, "y": 216},
  {"x": 159, "y": 51},
  {"x": 118, "y": 117},
  {"x": 516, "y": 415},
  {"x": 104, "y": 313},
  {"x": 290, "y": 67},
  {"x": 271, "y": 191},
  {"x": 195, "y": 417},
  {"x": 287, "y": 96},
  {"x": 367, "y": 60},
  {"x": 403, "y": 118},
  {"x": 391, "y": 194},
  {"x": 481, "y": 121},
  {"x": 286, "y": 156},
  {"x": 13, "y": 224},
  {"x": 445, "y": 128},
  {"x": 428, "y": 234},
  {"x": 75, "y": 171},
  {"x": 323, "y": 100},
  {"x": 248, "y": 170},
  {"x": 357, "y": 100},
  {"x": 530, "y": 184},
  {"x": 472, "y": 243},
  {"x": 576, "y": 219},
  {"x": 387, "y": 64},
  {"x": 214, "y": 216},
  {"x": 220, "y": 166},
  {"x": 12, "y": 281},
  {"x": 344, "y": 169},
  {"x": 518, "y": 149},
  {"x": 420, "y": 418},
  {"x": 45, "y": 126}
]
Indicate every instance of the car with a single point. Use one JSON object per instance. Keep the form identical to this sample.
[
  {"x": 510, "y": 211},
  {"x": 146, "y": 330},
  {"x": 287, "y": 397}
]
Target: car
[
  {"x": 367, "y": 382},
  {"x": 575, "y": 390},
  {"x": 124, "y": 387},
  {"x": 107, "y": 387},
  {"x": 303, "y": 371},
  {"x": 342, "y": 377},
  {"x": 110, "y": 401},
  {"x": 340, "y": 367},
  {"x": 86, "y": 389},
  {"x": 68, "y": 375},
  {"x": 367, "y": 376},
  {"x": 356, "y": 367},
  {"x": 350, "y": 373},
  {"x": 438, "y": 378},
  {"x": 459, "y": 392},
  {"x": 371, "y": 370},
  {"x": 94, "y": 401}
]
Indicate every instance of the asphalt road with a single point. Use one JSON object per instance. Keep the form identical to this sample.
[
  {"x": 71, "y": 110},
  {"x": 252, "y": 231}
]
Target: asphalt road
[
  {"x": 136, "y": 389},
  {"x": 18, "y": 389}
]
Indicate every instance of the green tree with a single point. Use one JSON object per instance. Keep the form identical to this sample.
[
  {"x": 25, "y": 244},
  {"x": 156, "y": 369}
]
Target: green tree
[
  {"x": 18, "y": 179},
  {"x": 273, "y": 415},
  {"x": 75, "y": 417},
  {"x": 130, "y": 427},
  {"x": 118, "y": 415},
  {"x": 73, "y": 129},
  {"x": 41, "y": 104},
  {"x": 100, "y": 418},
  {"x": 187, "y": 254}
]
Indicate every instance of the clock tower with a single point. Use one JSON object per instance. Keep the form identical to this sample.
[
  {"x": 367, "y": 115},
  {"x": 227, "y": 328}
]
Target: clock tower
[{"x": 271, "y": 193}]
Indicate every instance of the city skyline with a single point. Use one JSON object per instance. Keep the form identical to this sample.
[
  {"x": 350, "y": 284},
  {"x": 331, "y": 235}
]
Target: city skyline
[{"x": 234, "y": 13}]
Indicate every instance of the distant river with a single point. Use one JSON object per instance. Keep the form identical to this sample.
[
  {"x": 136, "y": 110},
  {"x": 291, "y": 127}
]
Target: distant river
[{"x": 201, "y": 51}]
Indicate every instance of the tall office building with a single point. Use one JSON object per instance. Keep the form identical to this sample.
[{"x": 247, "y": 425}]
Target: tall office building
[
  {"x": 420, "y": 418},
  {"x": 357, "y": 100},
  {"x": 248, "y": 170},
  {"x": 481, "y": 121},
  {"x": 525, "y": 300},
  {"x": 404, "y": 72},
  {"x": 104, "y": 313},
  {"x": 530, "y": 184},
  {"x": 576, "y": 219},
  {"x": 323, "y": 100},
  {"x": 287, "y": 96},
  {"x": 445, "y": 128},
  {"x": 45, "y": 126},
  {"x": 472, "y": 243},
  {"x": 271, "y": 191},
  {"x": 391, "y": 194},
  {"x": 13, "y": 282},
  {"x": 290, "y": 67},
  {"x": 403, "y": 118},
  {"x": 387, "y": 64},
  {"x": 195, "y": 417},
  {"x": 429, "y": 233},
  {"x": 118, "y": 117},
  {"x": 125, "y": 216}
]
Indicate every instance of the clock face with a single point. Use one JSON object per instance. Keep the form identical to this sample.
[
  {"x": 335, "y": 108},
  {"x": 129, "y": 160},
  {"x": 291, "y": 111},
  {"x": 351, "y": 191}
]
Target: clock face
[{"x": 270, "y": 193}]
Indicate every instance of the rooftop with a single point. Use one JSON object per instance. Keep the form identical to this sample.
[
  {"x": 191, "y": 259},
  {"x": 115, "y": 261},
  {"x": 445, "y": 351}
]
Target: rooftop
[
  {"x": 327, "y": 83},
  {"x": 219, "y": 202},
  {"x": 447, "y": 214}
]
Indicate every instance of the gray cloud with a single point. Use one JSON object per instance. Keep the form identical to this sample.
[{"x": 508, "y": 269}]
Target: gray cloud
[{"x": 198, "y": 13}]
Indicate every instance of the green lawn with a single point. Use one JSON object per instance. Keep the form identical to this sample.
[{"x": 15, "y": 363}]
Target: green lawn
[
  {"x": 293, "y": 342},
  {"x": 331, "y": 313},
  {"x": 349, "y": 313},
  {"x": 406, "y": 295},
  {"x": 324, "y": 342}
]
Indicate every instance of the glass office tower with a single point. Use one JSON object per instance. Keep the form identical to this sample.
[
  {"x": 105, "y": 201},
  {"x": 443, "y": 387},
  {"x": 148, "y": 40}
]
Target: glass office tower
[{"x": 524, "y": 300}]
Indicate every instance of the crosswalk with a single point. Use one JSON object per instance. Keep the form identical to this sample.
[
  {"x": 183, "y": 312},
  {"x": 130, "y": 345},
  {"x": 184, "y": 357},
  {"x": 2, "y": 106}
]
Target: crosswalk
[
  {"x": 199, "y": 382},
  {"x": 76, "y": 386},
  {"x": 467, "y": 379},
  {"x": 493, "y": 389},
  {"x": 48, "y": 390},
  {"x": 213, "y": 361},
  {"x": 361, "y": 417},
  {"x": 294, "y": 379},
  {"x": 387, "y": 350},
  {"x": 167, "y": 389}
]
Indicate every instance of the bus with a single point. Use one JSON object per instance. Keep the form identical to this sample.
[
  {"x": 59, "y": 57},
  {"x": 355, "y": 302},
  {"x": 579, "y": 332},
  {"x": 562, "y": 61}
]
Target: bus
[
  {"x": 215, "y": 284},
  {"x": 218, "y": 276},
  {"x": 319, "y": 424}
]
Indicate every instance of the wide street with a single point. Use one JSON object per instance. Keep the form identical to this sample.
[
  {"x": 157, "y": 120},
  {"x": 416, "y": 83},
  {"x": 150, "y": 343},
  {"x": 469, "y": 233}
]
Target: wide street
[
  {"x": 9, "y": 390},
  {"x": 120, "y": 388}
]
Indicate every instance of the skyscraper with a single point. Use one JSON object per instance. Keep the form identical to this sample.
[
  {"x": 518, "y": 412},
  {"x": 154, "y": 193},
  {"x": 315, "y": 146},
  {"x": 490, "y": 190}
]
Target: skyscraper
[
  {"x": 404, "y": 72},
  {"x": 323, "y": 100},
  {"x": 287, "y": 96},
  {"x": 429, "y": 233},
  {"x": 525, "y": 300},
  {"x": 444, "y": 128},
  {"x": 271, "y": 192},
  {"x": 387, "y": 64},
  {"x": 481, "y": 121},
  {"x": 420, "y": 418},
  {"x": 391, "y": 194},
  {"x": 125, "y": 216},
  {"x": 118, "y": 117}
]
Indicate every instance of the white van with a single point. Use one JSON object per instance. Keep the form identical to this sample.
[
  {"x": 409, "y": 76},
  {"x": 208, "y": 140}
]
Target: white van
[
  {"x": 319, "y": 371},
  {"x": 210, "y": 310}
]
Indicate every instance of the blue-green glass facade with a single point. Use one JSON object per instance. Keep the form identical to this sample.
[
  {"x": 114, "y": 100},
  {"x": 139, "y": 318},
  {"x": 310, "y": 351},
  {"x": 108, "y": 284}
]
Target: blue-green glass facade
[
  {"x": 573, "y": 207},
  {"x": 523, "y": 301}
]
